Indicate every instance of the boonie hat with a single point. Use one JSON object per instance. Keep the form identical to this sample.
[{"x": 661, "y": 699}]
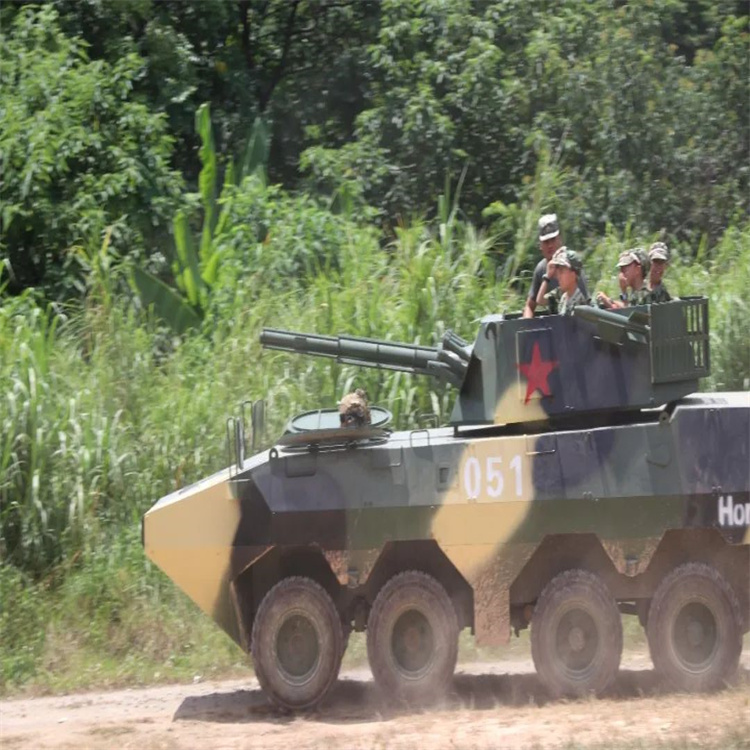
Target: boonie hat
[
  {"x": 628, "y": 257},
  {"x": 548, "y": 227},
  {"x": 567, "y": 259},
  {"x": 658, "y": 251}
]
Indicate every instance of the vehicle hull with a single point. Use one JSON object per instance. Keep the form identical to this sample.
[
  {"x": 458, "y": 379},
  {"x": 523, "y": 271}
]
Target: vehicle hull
[{"x": 493, "y": 502}]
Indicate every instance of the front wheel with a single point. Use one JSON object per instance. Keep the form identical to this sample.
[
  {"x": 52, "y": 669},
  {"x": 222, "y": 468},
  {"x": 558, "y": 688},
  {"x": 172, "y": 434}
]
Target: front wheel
[
  {"x": 412, "y": 638},
  {"x": 576, "y": 635},
  {"x": 694, "y": 628},
  {"x": 297, "y": 643}
]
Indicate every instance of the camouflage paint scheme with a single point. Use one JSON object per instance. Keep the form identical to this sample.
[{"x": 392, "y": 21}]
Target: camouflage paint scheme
[{"x": 560, "y": 445}]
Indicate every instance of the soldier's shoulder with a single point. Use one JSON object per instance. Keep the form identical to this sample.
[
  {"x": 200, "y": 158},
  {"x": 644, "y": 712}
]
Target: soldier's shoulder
[{"x": 576, "y": 299}]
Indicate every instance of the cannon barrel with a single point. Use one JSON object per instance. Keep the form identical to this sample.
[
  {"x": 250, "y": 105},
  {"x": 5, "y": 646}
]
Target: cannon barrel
[
  {"x": 630, "y": 327},
  {"x": 365, "y": 352}
]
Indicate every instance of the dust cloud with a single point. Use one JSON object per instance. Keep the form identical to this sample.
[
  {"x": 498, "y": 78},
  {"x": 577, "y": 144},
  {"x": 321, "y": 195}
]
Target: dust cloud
[{"x": 490, "y": 705}]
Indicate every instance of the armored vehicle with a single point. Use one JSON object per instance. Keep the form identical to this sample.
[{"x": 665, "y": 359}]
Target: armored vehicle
[{"x": 581, "y": 477}]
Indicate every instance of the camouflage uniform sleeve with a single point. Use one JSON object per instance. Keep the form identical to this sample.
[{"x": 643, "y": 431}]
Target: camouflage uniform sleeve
[
  {"x": 640, "y": 297},
  {"x": 553, "y": 300}
]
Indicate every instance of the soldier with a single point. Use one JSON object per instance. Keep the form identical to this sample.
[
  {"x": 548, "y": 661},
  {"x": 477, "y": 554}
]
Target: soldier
[
  {"x": 568, "y": 266},
  {"x": 633, "y": 265},
  {"x": 546, "y": 297},
  {"x": 353, "y": 409},
  {"x": 658, "y": 254},
  {"x": 549, "y": 243}
]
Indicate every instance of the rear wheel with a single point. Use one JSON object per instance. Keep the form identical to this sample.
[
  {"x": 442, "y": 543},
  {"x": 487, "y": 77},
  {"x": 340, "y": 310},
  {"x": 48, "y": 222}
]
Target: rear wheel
[
  {"x": 297, "y": 643},
  {"x": 576, "y": 635},
  {"x": 412, "y": 638},
  {"x": 694, "y": 628}
]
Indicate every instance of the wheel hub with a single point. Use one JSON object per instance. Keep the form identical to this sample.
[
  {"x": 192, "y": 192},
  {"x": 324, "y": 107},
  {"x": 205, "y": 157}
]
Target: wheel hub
[
  {"x": 297, "y": 648},
  {"x": 695, "y": 636},
  {"x": 576, "y": 639},
  {"x": 577, "y": 642},
  {"x": 412, "y": 640},
  {"x": 695, "y": 633},
  {"x": 412, "y": 643}
]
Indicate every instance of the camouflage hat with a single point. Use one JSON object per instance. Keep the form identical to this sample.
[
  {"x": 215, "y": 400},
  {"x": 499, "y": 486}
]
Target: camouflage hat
[
  {"x": 658, "y": 251},
  {"x": 548, "y": 227},
  {"x": 630, "y": 256},
  {"x": 568, "y": 259}
]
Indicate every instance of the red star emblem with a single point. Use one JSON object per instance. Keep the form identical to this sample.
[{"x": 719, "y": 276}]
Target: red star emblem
[{"x": 537, "y": 373}]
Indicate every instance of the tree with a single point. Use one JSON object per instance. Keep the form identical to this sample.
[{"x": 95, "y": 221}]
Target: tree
[
  {"x": 645, "y": 134},
  {"x": 299, "y": 64},
  {"x": 78, "y": 152}
]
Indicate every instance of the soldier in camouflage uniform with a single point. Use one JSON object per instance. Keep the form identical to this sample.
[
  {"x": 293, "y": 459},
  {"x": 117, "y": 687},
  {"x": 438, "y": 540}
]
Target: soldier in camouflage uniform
[
  {"x": 353, "y": 409},
  {"x": 543, "y": 282},
  {"x": 550, "y": 299},
  {"x": 634, "y": 266},
  {"x": 658, "y": 254},
  {"x": 568, "y": 266}
]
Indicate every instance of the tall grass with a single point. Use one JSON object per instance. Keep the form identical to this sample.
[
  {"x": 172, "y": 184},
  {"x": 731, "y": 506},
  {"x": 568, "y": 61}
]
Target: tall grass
[{"x": 103, "y": 411}]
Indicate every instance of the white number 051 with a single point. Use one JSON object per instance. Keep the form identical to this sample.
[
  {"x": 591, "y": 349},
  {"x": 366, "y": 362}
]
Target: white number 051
[{"x": 490, "y": 482}]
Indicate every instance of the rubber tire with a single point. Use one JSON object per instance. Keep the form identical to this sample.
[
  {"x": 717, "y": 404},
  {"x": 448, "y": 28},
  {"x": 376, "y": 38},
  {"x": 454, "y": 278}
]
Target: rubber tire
[
  {"x": 297, "y": 596},
  {"x": 695, "y": 583},
  {"x": 412, "y": 590},
  {"x": 576, "y": 590}
]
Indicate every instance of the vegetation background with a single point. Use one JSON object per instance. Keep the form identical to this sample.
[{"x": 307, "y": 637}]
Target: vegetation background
[{"x": 174, "y": 175}]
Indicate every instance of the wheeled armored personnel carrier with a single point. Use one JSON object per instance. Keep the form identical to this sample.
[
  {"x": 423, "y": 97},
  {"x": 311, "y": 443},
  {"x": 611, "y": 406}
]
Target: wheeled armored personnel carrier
[{"x": 581, "y": 476}]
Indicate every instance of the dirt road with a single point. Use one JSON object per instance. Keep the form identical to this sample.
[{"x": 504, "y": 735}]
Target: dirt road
[{"x": 490, "y": 706}]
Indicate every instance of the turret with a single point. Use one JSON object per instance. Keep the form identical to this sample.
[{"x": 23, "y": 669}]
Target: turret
[{"x": 527, "y": 370}]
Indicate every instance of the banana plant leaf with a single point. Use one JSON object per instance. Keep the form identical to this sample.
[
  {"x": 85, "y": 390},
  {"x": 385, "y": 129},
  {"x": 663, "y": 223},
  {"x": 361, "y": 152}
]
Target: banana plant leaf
[
  {"x": 166, "y": 302},
  {"x": 187, "y": 257},
  {"x": 207, "y": 178}
]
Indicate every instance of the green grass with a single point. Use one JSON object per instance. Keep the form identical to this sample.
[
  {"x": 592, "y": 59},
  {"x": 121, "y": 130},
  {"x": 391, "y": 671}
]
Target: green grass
[{"x": 115, "y": 622}]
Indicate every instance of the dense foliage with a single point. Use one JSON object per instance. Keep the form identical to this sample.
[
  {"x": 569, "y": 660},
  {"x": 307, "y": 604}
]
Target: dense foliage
[
  {"x": 642, "y": 107},
  {"x": 174, "y": 176},
  {"x": 640, "y": 134},
  {"x": 78, "y": 152}
]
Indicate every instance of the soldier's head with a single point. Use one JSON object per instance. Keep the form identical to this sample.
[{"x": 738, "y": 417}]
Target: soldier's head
[
  {"x": 658, "y": 254},
  {"x": 549, "y": 235},
  {"x": 633, "y": 266},
  {"x": 353, "y": 409},
  {"x": 568, "y": 266}
]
